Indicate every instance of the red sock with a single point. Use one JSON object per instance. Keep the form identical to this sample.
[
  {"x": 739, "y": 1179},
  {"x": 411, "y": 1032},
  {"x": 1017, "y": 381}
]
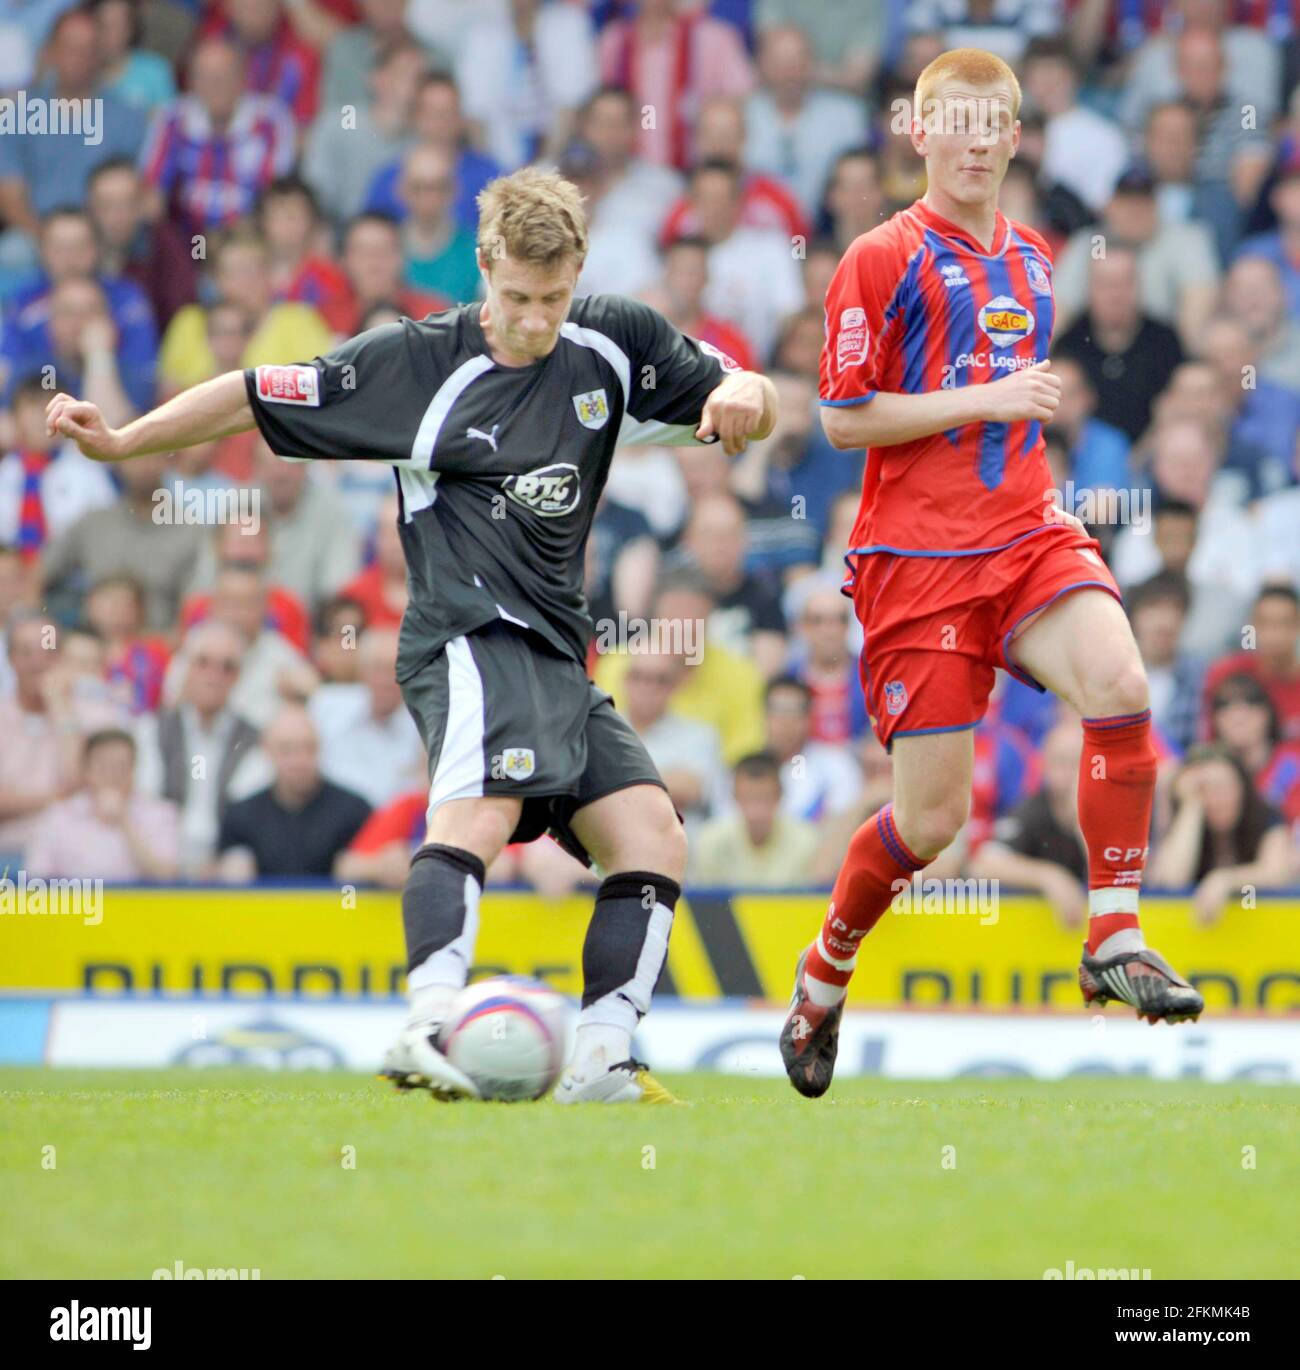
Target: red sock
[
  {"x": 876, "y": 860},
  {"x": 1117, "y": 778}
]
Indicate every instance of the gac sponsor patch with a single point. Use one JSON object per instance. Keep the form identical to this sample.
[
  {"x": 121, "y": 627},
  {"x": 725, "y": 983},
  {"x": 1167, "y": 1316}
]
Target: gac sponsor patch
[
  {"x": 1006, "y": 321},
  {"x": 289, "y": 385},
  {"x": 853, "y": 340}
]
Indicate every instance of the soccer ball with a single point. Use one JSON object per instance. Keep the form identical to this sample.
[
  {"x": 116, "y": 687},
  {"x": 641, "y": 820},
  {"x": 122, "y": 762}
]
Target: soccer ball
[{"x": 510, "y": 1035}]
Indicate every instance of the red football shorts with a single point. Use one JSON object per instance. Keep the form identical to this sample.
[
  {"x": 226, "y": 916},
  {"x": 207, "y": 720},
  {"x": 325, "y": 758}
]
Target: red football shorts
[{"x": 935, "y": 627}]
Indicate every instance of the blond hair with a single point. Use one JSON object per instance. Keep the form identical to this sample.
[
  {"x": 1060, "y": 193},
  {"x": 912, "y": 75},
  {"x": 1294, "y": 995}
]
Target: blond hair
[
  {"x": 974, "y": 67},
  {"x": 532, "y": 216}
]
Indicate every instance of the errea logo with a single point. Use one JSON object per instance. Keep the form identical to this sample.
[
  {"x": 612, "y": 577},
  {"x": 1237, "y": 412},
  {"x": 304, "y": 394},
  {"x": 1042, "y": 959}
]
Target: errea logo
[{"x": 550, "y": 490}]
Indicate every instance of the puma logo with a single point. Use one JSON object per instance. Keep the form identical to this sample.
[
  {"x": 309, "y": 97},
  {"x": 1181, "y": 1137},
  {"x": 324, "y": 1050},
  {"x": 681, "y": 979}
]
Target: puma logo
[{"x": 489, "y": 438}]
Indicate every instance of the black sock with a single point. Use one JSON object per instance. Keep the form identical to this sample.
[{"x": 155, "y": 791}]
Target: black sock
[
  {"x": 627, "y": 945},
  {"x": 440, "y": 911}
]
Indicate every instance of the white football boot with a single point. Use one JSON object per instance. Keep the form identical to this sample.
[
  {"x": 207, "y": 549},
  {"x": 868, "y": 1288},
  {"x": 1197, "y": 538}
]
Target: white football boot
[
  {"x": 629, "y": 1082},
  {"x": 414, "y": 1062}
]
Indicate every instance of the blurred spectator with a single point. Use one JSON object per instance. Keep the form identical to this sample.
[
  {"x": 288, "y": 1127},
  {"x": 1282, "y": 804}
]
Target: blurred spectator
[
  {"x": 438, "y": 123},
  {"x": 136, "y": 662},
  {"x": 279, "y": 63},
  {"x": 753, "y": 278},
  {"x": 277, "y": 333},
  {"x": 1082, "y": 148},
  {"x": 126, "y": 538},
  {"x": 635, "y": 195},
  {"x": 1169, "y": 151},
  {"x": 68, "y": 252},
  {"x": 1127, "y": 355},
  {"x": 135, "y": 75},
  {"x": 765, "y": 201},
  {"x": 368, "y": 741},
  {"x": 380, "y": 589},
  {"x": 301, "y": 269},
  {"x": 1224, "y": 839},
  {"x": 622, "y": 561},
  {"x": 671, "y": 57},
  {"x": 1004, "y": 28},
  {"x": 41, "y": 756},
  {"x": 747, "y": 617},
  {"x": 1271, "y": 657},
  {"x": 352, "y": 141},
  {"x": 1254, "y": 297},
  {"x": 338, "y": 628},
  {"x": 795, "y": 131},
  {"x": 817, "y": 781},
  {"x": 848, "y": 36},
  {"x": 1157, "y": 609},
  {"x": 211, "y": 153},
  {"x": 679, "y": 296},
  {"x": 799, "y": 343},
  {"x": 758, "y": 846},
  {"x": 1178, "y": 272},
  {"x": 42, "y": 170},
  {"x": 1244, "y": 719},
  {"x": 354, "y": 51},
  {"x": 107, "y": 830},
  {"x": 1277, "y": 517},
  {"x": 523, "y": 72},
  {"x": 822, "y": 661},
  {"x": 854, "y": 202},
  {"x": 45, "y": 483},
  {"x": 246, "y": 544},
  {"x": 1098, "y": 451},
  {"x": 372, "y": 259},
  {"x": 17, "y": 591},
  {"x": 686, "y": 752},
  {"x": 1281, "y": 245},
  {"x": 718, "y": 687},
  {"x": 154, "y": 256},
  {"x": 1216, "y": 70},
  {"x": 440, "y": 256},
  {"x": 1038, "y": 846},
  {"x": 300, "y": 823}
]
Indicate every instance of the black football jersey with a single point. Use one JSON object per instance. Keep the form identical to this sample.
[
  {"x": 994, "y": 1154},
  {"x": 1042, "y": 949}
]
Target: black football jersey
[{"x": 498, "y": 468}]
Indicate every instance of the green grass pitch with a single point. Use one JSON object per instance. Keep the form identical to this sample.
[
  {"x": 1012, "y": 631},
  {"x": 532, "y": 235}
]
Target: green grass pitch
[{"x": 230, "y": 1169}]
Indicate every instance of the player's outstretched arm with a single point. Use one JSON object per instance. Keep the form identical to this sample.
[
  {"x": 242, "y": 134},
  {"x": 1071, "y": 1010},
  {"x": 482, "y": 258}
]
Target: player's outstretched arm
[
  {"x": 887, "y": 419},
  {"x": 214, "y": 409}
]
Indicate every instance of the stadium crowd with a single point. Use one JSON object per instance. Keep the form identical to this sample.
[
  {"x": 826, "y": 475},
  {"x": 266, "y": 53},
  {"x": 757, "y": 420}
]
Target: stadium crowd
[{"x": 197, "y": 662}]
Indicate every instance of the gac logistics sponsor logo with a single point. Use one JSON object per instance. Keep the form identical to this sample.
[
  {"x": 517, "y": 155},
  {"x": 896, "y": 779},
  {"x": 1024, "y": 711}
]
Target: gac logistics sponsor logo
[
  {"x": 325, "y": 941},
  {"x": 550, "y": 490},
  {"x": 289, "y": 385},
  {"x": 1005, "y": 321}
]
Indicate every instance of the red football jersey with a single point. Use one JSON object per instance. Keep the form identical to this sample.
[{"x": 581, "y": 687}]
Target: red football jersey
[{"x": 918, "y": 305}]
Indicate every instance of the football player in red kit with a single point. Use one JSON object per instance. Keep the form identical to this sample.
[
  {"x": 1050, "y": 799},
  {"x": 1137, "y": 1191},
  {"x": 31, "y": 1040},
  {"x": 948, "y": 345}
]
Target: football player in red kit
[{"x": 937, "y": 330}]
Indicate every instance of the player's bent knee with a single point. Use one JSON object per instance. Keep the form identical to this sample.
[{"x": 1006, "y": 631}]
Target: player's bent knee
[
  {"x": 482, "y": 826},
  {"x": 927, "y": 831},
  {"x": 657, "y": 843},
  {"x": 1121, "y": 690}
]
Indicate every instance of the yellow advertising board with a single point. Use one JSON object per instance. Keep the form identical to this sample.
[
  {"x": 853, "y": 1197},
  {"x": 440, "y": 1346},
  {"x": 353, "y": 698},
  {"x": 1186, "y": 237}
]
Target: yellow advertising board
[{"x": 316, "y": 941}]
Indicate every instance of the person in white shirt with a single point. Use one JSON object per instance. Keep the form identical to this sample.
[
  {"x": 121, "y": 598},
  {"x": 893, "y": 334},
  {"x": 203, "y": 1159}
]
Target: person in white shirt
[
  {"x": 818, "y": 780},
  {"x": 368, "y": 741}
]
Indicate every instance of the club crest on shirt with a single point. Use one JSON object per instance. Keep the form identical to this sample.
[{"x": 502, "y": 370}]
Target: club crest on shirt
[
  {"x": 1037, "y": 276},
  {"x": 518, "y": 763},
  {"x": 895, "y": 696},
  {"x": 854, "y": 338},
  {"x": 1006, "y": 321},
  {"x": 593, "y": 408}
]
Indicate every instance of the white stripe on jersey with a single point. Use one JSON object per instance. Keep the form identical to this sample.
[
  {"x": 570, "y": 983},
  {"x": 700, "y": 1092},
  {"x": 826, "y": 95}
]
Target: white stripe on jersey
[
  {"x": 419, "y": 484},
  {"x": 459, "y": 771}
]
